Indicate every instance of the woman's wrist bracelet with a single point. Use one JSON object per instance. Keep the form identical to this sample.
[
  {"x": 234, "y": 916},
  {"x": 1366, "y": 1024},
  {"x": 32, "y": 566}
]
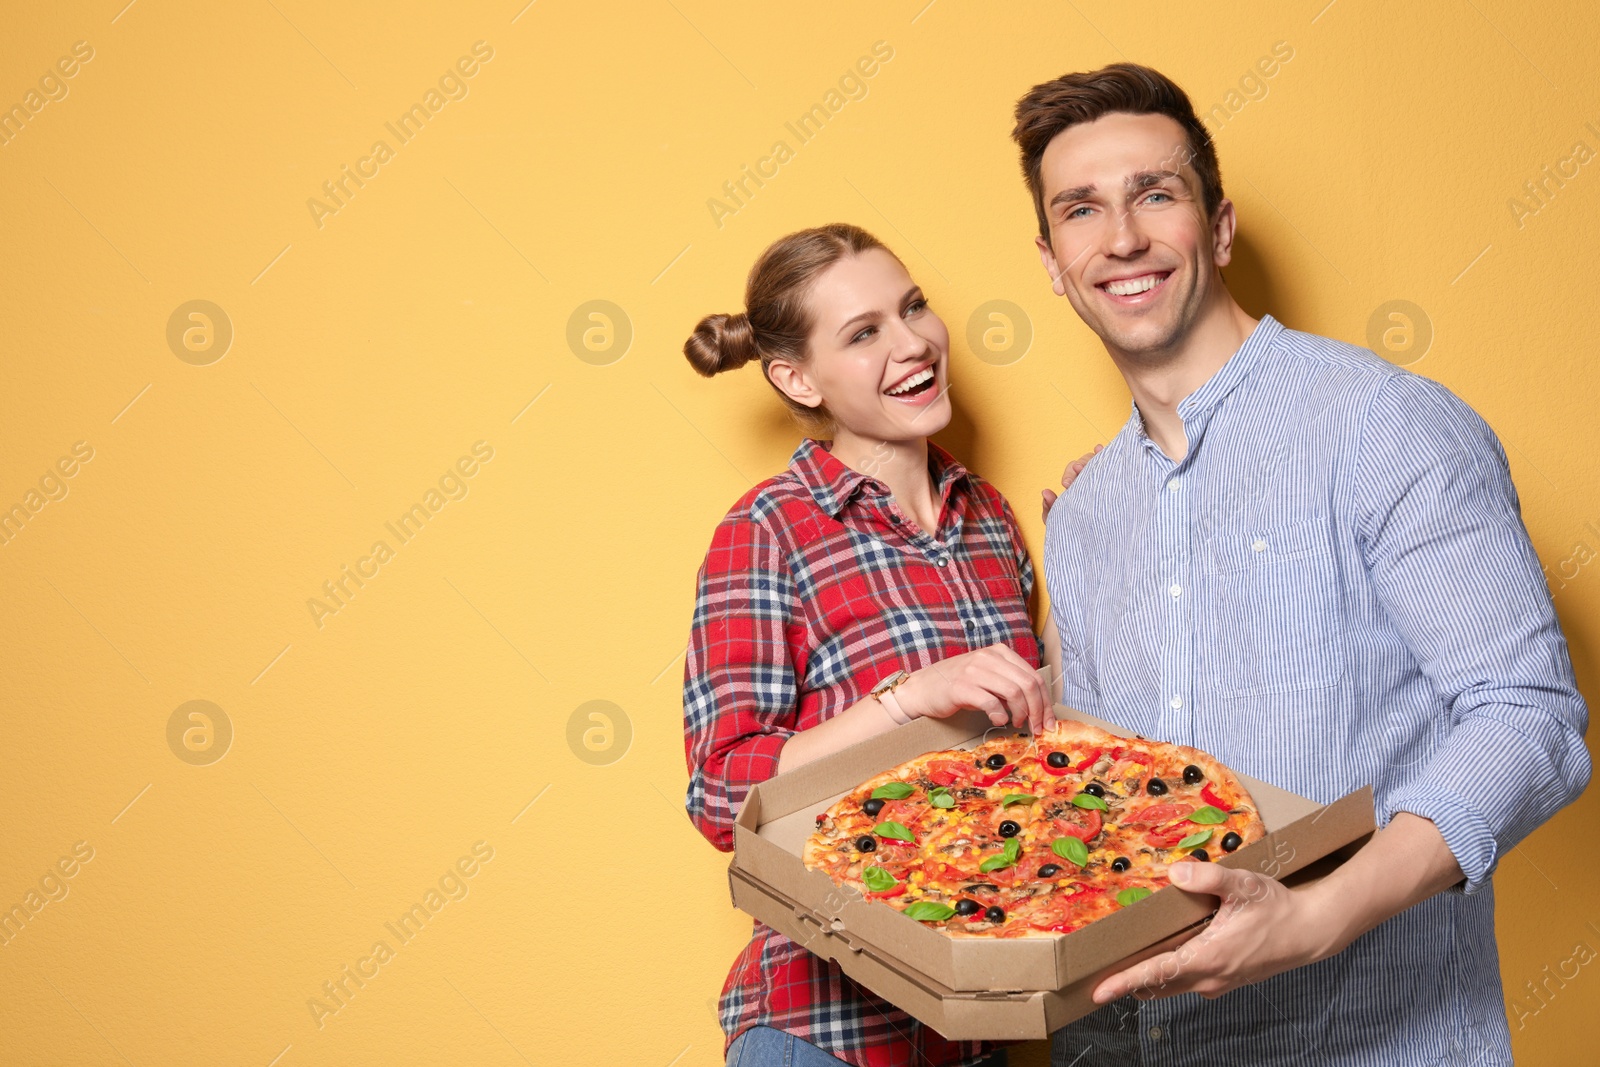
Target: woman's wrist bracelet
[{"x": 892, "y": 706}]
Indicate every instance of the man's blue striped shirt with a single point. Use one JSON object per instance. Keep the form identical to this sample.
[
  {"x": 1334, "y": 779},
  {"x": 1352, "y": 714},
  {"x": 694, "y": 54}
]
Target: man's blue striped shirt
[{"x": 1333, "y": 587}]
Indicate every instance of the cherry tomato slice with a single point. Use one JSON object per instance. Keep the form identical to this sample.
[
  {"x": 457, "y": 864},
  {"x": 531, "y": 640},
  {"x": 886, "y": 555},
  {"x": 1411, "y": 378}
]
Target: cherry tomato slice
[
  {"x": 1087, "y": 830},
  {"x": 948, "y": 772},
  {"x": 1167, "y": 836},
  {"x": 1156, "y": 814}
]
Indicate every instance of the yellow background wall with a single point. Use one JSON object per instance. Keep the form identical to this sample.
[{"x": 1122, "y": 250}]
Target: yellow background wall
[{"x": 373, "y": 347}]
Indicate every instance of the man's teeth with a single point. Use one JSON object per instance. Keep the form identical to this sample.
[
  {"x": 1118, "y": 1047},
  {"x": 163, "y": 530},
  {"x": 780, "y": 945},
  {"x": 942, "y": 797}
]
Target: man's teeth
[
  {"x": 1134, "y": 285},
  {"x": 912, "y": 382}
]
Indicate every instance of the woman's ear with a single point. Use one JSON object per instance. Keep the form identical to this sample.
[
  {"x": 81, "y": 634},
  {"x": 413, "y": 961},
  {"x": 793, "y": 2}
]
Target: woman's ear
[{"x": 793, "y": 383}]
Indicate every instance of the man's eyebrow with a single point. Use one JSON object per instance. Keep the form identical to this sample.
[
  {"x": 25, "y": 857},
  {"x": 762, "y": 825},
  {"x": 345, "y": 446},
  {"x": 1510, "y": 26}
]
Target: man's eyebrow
[
  {"x": 1067, "y": 196},
  {"x": 1147, "y": 178},
  {"x": 874, "y": 314},
  {"x": 1143, "y": 179}
]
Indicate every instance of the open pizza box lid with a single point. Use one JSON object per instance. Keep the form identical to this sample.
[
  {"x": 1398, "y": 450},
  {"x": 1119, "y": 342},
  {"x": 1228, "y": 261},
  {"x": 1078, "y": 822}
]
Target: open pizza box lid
[{"x": 980, "y": 988}]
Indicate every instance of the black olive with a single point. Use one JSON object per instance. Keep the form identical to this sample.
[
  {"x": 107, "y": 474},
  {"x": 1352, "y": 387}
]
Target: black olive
[
  {"x": 968, "y": 906},
  {"x": 1156, "y": 787},
  {"x": 996, "y": 761},
  {"x": 866, "y": 843},
  {"x": 980, "y": 887},
  {"x": 1010, "y": 829},
  {"x": 1192, "y": 775},
  {"x": 1231, "y": 841},
  {"x": 1056, "y": 759},
  {"x": 1121, "y": 863},
  {"x": 1049, "y": 870},
  {"x": 873, "y": 806},
  {"x": 1201, "y": 855},
  {"x": 1095, "y": 789},
  {"x": 995, "y": 915}
]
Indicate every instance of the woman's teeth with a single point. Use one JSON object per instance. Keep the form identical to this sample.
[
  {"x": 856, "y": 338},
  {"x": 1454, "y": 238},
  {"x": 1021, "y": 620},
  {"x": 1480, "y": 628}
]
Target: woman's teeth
[
  {"x": 922, "y": 377},
  {"x": 1134, "y": 286}
]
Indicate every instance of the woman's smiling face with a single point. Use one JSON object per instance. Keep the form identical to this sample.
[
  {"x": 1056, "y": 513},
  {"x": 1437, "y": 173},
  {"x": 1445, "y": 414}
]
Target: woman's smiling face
[{"x": 878, "y": 355}]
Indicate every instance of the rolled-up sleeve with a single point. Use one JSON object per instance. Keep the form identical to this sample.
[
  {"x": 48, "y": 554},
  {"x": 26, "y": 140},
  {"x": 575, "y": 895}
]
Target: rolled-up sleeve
[
  {"x": 739, "y": 688},
  {"x": 1443, "y": 539}
]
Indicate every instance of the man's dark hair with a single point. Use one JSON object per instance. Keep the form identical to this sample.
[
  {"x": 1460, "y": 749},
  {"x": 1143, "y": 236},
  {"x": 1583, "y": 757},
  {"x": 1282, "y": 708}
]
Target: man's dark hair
[{"x": 1071, "y": 99}]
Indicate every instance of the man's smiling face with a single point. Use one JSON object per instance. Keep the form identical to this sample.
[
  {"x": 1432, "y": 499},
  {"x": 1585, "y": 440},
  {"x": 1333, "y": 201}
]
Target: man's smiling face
[{"x": 1131, "y": 245}]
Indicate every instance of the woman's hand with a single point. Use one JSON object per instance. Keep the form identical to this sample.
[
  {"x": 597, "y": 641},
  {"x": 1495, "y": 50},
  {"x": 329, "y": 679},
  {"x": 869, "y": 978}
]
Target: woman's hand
[
  {"x": 994, "y": 679},
  {"x": 1069, "y": 476}
]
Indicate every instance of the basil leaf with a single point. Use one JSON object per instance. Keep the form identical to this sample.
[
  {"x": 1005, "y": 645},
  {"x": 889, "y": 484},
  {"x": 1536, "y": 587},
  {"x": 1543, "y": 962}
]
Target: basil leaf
[
  {"x": 1208, "y": 815},
  {"x": 1089, "y": 800},
  {"x": 1199, "y": 837},
  {"x": 1006, "y": 857},
  {"x": 1132, "y": 896},
  {"x": 1017, "y": 798},
  {"x": 1071, "y": 848},
  {"x": 878, "y": 880},
  {"x": 940, "y": 797},
  {"x": 892, "y": 791},
  {"x": 928, "y": 911},
  {"x": 894, "y": 830}
]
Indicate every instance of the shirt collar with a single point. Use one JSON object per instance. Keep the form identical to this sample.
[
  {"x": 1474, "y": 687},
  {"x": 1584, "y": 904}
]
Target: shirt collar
[
  {"x": 832, "y": 484},
  {"x": 1198, "y": 405}
]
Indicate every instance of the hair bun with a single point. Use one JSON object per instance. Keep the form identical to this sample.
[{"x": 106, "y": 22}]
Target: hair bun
[{"x": 720, "y": 343}]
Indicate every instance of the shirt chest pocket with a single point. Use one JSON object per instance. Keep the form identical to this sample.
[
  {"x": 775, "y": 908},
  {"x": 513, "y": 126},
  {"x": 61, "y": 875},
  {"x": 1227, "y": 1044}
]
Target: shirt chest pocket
[{"x": 1274, "y": 624}]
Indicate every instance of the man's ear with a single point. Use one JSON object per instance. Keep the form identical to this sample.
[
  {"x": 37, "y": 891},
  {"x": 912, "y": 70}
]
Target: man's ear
[
  {"x": 1047, "y": 256},
  {"x": 793, "y": 383},
  {"x": 1222, "y": 231}
]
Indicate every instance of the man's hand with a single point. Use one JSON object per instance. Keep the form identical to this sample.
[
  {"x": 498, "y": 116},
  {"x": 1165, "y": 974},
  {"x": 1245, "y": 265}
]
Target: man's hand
[
  {"x": 1069, "y": 476},
  {"x": 1262, "y": 928}
]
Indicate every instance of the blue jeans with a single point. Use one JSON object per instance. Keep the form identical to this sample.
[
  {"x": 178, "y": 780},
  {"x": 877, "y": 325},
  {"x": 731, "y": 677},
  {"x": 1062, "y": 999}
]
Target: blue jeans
[{"x": 764, "y": 1046}]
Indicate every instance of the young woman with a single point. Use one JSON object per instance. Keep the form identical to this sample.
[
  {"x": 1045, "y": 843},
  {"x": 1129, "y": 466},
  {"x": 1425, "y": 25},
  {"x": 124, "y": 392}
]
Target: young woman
[{"x": 874, "y": 563}]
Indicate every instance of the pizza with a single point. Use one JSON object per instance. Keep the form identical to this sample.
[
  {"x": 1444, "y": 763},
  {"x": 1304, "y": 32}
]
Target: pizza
[{"x": 1023, "y": 837}]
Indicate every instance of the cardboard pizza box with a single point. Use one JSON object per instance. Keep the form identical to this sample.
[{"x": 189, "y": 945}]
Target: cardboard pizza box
[{"x": 978, "y": 988}]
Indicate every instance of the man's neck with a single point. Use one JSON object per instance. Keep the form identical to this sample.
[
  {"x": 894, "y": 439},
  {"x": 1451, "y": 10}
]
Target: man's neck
[{"x": 1160, "y": 381}]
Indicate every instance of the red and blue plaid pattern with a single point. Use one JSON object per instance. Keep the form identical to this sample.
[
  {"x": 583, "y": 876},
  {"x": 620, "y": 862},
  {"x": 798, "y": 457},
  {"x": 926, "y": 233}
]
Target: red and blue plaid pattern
[{"x": 816, "y": 587}]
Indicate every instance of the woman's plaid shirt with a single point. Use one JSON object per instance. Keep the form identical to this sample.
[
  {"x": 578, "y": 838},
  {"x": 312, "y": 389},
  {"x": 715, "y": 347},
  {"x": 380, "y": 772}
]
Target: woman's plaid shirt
[{"x": 815, "y": 588}]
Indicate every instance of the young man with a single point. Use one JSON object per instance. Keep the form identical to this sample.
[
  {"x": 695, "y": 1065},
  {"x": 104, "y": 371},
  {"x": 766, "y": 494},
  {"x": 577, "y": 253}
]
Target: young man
[{"x": 1311, "y": 564}]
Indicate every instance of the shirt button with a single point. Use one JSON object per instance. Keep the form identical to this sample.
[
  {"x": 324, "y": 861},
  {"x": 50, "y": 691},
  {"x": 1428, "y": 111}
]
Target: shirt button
[
  {"x": 1155, "y": 1033},
  {"x": 1176, "y": 702},
  {"x": 969, "y": 624},
  {"x": 1259, "y": 546},
  {"x": 943, "y": 560},
  {"x": 1176, "y": 483},
  {"x": 1175, "y": 589}
]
